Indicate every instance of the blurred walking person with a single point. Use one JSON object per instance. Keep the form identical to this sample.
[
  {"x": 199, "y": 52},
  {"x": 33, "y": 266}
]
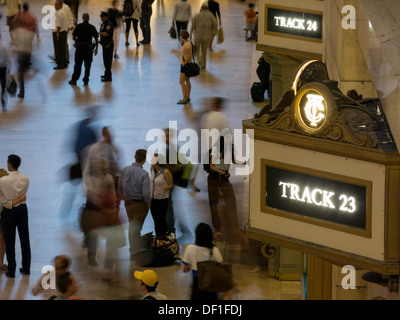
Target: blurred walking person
[
  {"x": 115, "y": 18},
  {"x": 13, "y": 7},
  {"x": 131, "y": 13},
  {"x": 24, "y": 29},
  {"x": 5, "y": 69},
  {"x": 213, "y": 6},
  {"x": 182, "y": 15},
  {"x": 204, "y": 25}
]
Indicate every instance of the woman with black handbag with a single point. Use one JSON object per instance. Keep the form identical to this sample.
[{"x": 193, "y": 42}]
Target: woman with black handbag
[
  {"x": 186, "y": 58},
  {"x": 198, "y": 252}
]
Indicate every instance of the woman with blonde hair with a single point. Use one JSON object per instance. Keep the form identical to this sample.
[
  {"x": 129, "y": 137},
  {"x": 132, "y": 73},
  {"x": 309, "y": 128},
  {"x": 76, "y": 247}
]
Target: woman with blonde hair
[{"x": 186, "y": 57}]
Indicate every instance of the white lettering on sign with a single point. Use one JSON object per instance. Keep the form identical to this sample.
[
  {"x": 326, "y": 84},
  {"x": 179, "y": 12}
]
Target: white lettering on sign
[
  {"x": 318, "y": 197},
  {"x": 314, "y": 109},
  {"x": 299, "y": 24}
]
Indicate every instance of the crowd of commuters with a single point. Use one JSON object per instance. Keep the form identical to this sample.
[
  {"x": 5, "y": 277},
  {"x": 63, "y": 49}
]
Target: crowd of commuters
[{"x": 107, "y": 185}]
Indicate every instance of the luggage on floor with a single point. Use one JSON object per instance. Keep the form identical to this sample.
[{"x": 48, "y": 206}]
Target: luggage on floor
[{"x": 257, "y": 92}]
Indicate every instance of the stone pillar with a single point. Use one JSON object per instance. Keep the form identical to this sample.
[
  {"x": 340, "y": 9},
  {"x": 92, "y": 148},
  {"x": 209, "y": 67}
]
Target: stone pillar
[
  {"x": 282, "y": 73},
  {"x": 342, "y": 55},
  {"x": 319, "y": 279}
]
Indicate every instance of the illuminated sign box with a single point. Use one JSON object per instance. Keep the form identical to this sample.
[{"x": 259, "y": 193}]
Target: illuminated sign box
[
  {"x": 294, "y": 23},
  {"x": 326, "y": 199}
]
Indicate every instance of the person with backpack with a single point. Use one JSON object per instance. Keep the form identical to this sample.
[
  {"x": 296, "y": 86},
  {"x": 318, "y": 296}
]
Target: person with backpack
[{"x": 131, "y": 13}]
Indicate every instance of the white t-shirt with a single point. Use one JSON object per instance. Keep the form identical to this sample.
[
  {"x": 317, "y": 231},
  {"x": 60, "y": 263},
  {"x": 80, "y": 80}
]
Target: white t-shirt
[{"x": 195, "y": 253}]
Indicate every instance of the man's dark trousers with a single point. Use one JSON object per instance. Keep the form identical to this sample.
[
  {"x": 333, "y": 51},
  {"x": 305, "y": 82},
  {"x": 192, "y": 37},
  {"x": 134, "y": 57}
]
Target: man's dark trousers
[
  {"x": 12, "y": 219},
  {"x": 60, "y": 49},
  {"x": 108, "y": 51},
  {"x": 145, "y": 25},
  {"x": 82, "y": 55}
]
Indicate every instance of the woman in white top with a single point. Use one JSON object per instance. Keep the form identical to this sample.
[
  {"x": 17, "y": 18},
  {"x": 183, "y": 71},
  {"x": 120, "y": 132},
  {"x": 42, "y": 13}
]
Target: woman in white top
[
  {"x": 203, "y": 250},
  {"x": 182, "y": 15},
  {"x": 186, "y": 57},
  {"x": 161, "y": 183},
  {"x": 133, "y": 19}
]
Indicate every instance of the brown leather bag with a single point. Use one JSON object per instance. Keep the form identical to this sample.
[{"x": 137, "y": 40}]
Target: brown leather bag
[{"x": 214, "y": 277}]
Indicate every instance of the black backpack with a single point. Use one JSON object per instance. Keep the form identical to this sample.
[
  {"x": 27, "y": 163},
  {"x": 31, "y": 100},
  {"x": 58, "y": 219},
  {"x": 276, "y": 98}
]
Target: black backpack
[{"x": 127, "y": 10}]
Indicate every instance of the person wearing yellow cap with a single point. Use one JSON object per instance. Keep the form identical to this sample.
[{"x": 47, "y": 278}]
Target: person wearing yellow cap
[{"x": 148, "y": 282}]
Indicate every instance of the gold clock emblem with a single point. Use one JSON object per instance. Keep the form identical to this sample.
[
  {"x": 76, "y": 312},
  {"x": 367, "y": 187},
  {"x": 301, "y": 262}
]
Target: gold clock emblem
[{"x": 313, "y": 107}]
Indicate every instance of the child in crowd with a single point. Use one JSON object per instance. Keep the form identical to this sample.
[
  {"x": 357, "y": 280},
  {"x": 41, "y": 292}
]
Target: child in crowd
[
  {"x": 251, "y": 19},
  {"x": 62, "y": 264}
]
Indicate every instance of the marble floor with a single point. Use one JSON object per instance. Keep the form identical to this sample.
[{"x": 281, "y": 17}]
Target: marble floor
[{"x": 142, "y": 97}]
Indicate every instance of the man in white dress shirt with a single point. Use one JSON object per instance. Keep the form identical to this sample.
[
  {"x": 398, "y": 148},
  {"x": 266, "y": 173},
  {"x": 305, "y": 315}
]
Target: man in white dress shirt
[
  {"x": 15, "y": 185},
  {"x": 60, "y": 35}
]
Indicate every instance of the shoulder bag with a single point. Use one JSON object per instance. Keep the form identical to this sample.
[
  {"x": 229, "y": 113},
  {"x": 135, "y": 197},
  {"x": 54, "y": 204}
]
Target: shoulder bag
[
  {"x": 192, "y": 69},
  {"x": 213, "y": 276}
]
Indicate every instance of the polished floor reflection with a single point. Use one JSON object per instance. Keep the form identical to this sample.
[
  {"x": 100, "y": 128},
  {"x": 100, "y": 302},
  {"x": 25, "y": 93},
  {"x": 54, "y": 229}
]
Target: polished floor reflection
[{"x": 141, "y": 97}]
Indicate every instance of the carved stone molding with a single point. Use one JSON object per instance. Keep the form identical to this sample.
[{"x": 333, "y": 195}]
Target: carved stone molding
[{"x": 337, "y": 129}]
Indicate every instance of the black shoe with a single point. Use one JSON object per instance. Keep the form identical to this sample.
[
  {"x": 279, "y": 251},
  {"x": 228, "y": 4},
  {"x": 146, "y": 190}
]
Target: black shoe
[
  {"x": 10, "y": 275},
  {"x": 21, "y": 95},
  {"x": 72, "y": 83},
  {"x": 106, "y": 79},
  {"x": 24, "y": 272},
  {"x": 85, "y": 83},
  {"x": 59, "y": 67}
]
